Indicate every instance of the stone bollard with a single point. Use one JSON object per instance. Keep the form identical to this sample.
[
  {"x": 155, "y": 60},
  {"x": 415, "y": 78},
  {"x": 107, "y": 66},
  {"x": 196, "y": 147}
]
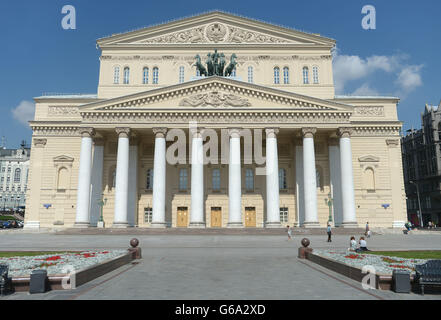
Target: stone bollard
[
  {"x": 304, "y": 250},
  {"x": 135, "y": 250}
]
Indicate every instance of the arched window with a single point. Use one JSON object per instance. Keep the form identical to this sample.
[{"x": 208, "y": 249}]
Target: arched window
[
  {"x": 369, "y": 179},
  {"x": 17, "y": 175},
  {"x": 315, "y": 74},
  {"x": 126, "y": 75},
  {"x": 181, "y": 74},
  {"x": 149, "y": 180},
  {"x": 145, "y": 75},
  {"x": 116, "y": 75},
  {"x": 183, "y": 179},
  {"x": 155, "y": 75},
  {"x": 63, "y": 179},
  {"x": 215, "y": 175},
  {"x": 250, "y": 74},
  {"x": 285, "y": 75},
  {"x": 282, "y": 179},
  {"x": 276, "y": 75},
  {"x": 305, "y": 75},
  {"x": 249, "y": 179}
]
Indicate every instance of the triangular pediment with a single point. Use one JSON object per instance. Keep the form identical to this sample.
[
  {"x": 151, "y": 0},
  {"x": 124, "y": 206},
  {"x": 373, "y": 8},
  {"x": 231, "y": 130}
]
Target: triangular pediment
[
  {"x": 215, "y": 28},
  {"x": 215, "y": 93},
  {"x": 368, "y": 158},
  {"x": 63, "y": 158}
]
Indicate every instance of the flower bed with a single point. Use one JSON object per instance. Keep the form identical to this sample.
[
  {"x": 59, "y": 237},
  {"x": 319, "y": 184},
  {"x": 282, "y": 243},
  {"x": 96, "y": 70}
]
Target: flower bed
[
  {"x": 383, "y": 264},
  {"x": 58, "y": 263}
]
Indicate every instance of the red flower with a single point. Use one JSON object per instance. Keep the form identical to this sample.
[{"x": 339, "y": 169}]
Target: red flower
[{"x": 54, "y": 258}]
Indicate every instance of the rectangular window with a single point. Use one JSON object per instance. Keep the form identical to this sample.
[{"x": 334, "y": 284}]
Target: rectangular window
[
  {"x": 149, "y": 180},
  {"x": 116, "y": 75},
  {"x": 181, "y": 74},
  {"x": 183, "y": 179},
  {"x": 250, "y": 75},
  {"x": 148, "y": 213},
  {"x": 315, "y": 75},
  {"x": 283, "y": 215},
  {"x": 282, "y": 179},
  {"x": 216, "y": 179},
  {"x": 249, "y": 180}
]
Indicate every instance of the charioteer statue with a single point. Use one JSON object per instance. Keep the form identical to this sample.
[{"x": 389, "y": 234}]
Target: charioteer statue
[{"x": 216, "y": 63}]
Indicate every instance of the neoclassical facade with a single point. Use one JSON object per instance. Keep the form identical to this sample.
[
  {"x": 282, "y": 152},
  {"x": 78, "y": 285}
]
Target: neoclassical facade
[{"x": 161, "y": 145}]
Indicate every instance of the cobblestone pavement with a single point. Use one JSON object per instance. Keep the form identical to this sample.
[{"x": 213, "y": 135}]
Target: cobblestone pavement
[{"x": 217, "y": 267}]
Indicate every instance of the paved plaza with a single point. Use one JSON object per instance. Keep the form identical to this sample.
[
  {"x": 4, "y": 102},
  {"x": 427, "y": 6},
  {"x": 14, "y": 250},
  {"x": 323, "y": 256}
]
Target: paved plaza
[{"x": 216, "y": 267}]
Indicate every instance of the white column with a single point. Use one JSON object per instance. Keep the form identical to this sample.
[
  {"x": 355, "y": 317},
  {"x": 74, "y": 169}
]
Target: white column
[
  {"x": 300, "y": 199},
  {"x": 122, "y": 179},
  {"x": 347, "y": 179},
  {"x": 335, "y": 180},
  {"x": 159, "y": 175},
  {"x": 97, "y": 181},
  {"x": 197, "y": 180},
  {"x": 132, "y": 205},
  {"x": 309, "y": 178},
  {"x": 272, "y": 180},
  {"x": 84, "y": 177},
  {"x": 234, "y": 182}
]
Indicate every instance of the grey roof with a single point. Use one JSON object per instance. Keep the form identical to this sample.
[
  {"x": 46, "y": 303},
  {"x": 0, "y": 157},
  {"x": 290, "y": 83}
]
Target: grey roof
[
  {"x": 365, "y": 97},
  {"x": 68, "y": 96}
]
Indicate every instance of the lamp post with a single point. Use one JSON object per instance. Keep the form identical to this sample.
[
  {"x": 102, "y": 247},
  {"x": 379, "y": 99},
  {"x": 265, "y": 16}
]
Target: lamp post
[
  {"x": 102, "y": 202},
  {"x": 420, "y": 215},
  {"x": 329, "y": 201}
]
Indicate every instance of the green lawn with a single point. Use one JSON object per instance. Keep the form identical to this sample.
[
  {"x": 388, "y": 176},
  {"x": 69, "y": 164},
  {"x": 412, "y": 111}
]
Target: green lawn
[
  {"x": 408, "y": 254},
  {"x": 9, "y": 254},
  {"x": 6, "y": 218}
]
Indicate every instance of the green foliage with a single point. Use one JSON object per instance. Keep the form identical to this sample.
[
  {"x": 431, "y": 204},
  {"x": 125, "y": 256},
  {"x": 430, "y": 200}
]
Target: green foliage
[{"x": 408, "y": 254}]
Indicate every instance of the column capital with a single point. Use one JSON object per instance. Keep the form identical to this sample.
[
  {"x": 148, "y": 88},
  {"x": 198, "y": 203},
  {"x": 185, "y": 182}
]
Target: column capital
[
  {"x": 86, "y": 132},
  {"x": 123, "y": 132},
  {"x": 196, "y": 132},
  {"x": 160, "y": 132},
  {"x": 234, "y": 132},
  {"x": 345, "y": 132},
  {"x": 272, "y": 132},
  {"x": 40, "y": 143},
  {"x": 309, "y": 132}
]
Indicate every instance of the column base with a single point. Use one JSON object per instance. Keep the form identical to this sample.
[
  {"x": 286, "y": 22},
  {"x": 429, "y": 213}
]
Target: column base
[
  {"x": 398, "y": 224},
  {"x": 349, "y": 225},
  {"x": 32, "y": 225},
  {"x": 82, "y": 225},
  {"x": 312, "y": 224},
  {"x": 158, "y": 225},
  {"x": 273, "y": 225},
  {"x": 235, "y": 225},
  {"x": 120, "y": 225},
  {"x": 197, "y": 225}
]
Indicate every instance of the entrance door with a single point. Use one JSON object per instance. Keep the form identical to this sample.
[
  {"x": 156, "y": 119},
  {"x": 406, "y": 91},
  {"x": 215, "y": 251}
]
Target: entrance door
[
  {"x": 182, "y": 217},
  {"x": 250, "y": 217},
  {"x": 216, "y": 217}
]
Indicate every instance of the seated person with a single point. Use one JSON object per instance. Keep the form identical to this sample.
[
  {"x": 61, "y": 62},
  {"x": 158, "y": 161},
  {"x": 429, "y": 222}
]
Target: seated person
[
  {"x": 352, "y": 244},
  {"x": 363, "y": 245}
]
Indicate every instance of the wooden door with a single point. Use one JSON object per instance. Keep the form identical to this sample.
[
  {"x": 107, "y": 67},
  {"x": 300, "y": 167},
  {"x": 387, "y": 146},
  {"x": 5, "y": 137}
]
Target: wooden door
[
  {"x": 182, "y": 217},
  {"x": 216, "y": 217},
  {"x": 250, "y": 217}
]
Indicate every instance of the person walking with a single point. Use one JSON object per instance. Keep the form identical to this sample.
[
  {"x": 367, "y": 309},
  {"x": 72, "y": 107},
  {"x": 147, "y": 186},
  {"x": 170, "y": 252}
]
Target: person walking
[
  {"x": 329, "y": 231},
  {"x": 367, "y": 233},
  {"x": 289, "y": 233}
]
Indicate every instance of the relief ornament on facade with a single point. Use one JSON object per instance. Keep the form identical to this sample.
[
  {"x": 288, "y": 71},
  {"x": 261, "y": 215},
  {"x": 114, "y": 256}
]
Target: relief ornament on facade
[{"x": 215, "y": 99}]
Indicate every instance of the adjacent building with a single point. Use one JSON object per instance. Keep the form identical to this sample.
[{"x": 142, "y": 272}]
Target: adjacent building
[
  {"x": 422, "y": 168},
  {"x": 255, "y": 99},
  {"x": 14, "y": 169}
]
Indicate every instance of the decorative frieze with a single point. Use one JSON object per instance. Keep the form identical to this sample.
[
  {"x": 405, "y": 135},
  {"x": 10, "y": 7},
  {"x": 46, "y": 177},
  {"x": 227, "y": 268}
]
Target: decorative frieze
[
  {"x": 378, "y": 130},
  {"x": 48, "y": 130},
  {"x": 215, "y": 99},
  {"x": 62, "y": 111},
  {"x": 369, "y": 111}
]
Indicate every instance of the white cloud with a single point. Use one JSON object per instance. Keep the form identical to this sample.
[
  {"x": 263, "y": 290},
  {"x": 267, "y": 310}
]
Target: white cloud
[
  {"x": 24, "y": 112},
  {"x": 351, "y": 68},
  {"x": 365, "y": 90},
  {"x": 410, "y": 78}
]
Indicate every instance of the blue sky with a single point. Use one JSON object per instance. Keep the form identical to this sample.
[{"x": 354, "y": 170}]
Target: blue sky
[{"x": 401, "y": 57}]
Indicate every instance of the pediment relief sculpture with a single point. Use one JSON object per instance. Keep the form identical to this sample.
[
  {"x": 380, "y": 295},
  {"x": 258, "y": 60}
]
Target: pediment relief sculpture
[
  {"x": 215, "y": 99},
  {"x": 215, "y": 33}
]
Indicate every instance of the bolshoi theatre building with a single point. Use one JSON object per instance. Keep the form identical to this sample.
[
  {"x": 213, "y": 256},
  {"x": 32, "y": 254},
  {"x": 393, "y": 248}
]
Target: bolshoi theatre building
[{"x": 215, "y": 121}]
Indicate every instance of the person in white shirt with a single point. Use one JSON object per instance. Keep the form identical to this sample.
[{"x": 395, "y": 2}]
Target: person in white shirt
[
  {"x": 363, "y": 245},
  {"x": 353, "y": 244}
]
